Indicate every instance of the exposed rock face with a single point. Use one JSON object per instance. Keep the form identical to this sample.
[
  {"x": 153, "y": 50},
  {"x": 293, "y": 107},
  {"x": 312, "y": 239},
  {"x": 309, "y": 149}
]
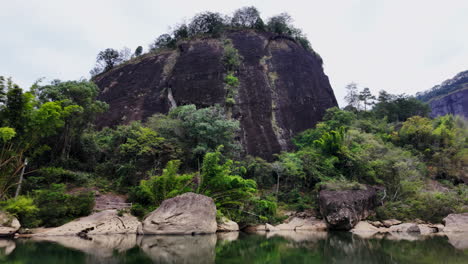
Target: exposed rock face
[
  {"x": 450, "y": 97},
  {"x": 455, "y": 103},
  {"x": 9, "y": 225},
  {"x": 227, "y": 225},
  {"x": 342, "y": 210},
  {"x": 105, "y": 222},
  {"x": 283, "y": 89},
  {"x": 185, "y": 214},
  {"x": 456, "y": 223}
]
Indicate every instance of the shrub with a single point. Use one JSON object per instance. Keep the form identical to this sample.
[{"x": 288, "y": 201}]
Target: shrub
[
  {"x": 23, "y": 208},
  {"x": 56, "y": 207},
  {"x": 231, "y": 57},
  {"x": 139, "y": 211}
]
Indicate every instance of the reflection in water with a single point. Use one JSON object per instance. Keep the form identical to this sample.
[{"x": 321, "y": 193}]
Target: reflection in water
[
  {"x": 179, "y": 249},
  {"x": 102, "y": 246},
  {"x": 7, "y": 246},
  {"x": 273, "y": 247}
]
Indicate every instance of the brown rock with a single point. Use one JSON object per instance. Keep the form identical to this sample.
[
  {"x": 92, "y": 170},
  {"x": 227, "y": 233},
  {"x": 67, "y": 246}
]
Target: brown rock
[
  {"x": 344, "y": 209},
  {"x": 185, "y": 214}
]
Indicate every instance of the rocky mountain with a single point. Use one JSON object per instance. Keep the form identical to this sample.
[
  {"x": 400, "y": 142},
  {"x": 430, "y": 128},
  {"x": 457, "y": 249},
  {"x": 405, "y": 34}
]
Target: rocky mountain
[
  {"x": 450, "y": 97},
  {"x": 282, "y": 87}
]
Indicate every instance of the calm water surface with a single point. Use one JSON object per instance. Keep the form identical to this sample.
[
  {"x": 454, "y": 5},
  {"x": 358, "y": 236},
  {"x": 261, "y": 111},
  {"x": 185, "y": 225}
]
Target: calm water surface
[{"x": 283, "y": 247}]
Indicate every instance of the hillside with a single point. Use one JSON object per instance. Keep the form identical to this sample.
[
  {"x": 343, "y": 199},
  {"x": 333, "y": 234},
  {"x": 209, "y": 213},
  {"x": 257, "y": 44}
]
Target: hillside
[
  {"x": 279, "y": 87},
  {"x": 450, "y": 97}
]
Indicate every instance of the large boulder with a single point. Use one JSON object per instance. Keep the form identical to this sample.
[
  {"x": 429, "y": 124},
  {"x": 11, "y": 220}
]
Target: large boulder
[
  {"x": 101, "y": 223},
  {"x": 343, "y": 209},
  {"x": 185, "y": 214},
  {"x": 456, "y": 223},
  {"x": 9, "y": 225}
]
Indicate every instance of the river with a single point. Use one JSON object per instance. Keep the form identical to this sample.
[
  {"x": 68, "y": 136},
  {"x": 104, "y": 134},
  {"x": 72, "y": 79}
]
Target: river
[{"x": 281, "y": 247}]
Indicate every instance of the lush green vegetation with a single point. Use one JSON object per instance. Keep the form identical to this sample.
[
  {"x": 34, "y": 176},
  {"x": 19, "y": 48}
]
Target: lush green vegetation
[{"x": 52, "y": 157}]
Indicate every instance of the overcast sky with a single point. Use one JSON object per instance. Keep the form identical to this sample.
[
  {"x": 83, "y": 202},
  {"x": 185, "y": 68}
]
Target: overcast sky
[{"x": 402, "y": 46}]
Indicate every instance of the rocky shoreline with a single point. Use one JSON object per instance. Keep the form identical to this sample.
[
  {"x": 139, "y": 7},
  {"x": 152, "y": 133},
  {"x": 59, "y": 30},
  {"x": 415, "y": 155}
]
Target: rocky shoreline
[{"x": 192, "y": 214}]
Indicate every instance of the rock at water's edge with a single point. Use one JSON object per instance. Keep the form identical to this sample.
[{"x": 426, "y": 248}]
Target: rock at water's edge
[
  {"x": 342, "y": 210},
  {"x": 227, "y": 225},
  {"x": 405, "y": 228},
  {"x": 186, "y": 214},
  {"x": 105, "y": 222},
  {"x": 391, "y": 222},
  {"x": 456, "y": 223},
  {"x": 9, "y": 225}
]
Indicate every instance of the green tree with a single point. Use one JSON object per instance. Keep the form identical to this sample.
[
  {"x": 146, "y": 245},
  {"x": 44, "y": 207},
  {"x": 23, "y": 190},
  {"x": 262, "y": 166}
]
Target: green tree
[
  {"x": 206, "y": 23},
  {"x": 138, "y": 51},
  {"x": 230, "y": 192},
  {"x": 248, "y": 17},
  {"x": 80, "y": 93},
  {"x": 352, "y": 96},
  {"x": 198, "y": 131},
  {"x": 366, "y": 97}
]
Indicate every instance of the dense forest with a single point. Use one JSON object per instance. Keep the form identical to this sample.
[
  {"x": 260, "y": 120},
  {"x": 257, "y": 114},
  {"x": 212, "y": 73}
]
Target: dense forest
[{"x": 53, "y": 158}]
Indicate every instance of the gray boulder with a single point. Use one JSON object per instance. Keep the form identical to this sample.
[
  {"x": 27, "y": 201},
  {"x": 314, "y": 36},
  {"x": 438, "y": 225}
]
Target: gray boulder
[
  {"x": 456, "y": 223},
  {"x": 185, "y": 214},
  {"x": 9, "y": 225},
  {"x": 343, "y": 209}
]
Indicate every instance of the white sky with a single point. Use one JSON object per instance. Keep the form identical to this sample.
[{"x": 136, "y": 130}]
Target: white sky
[{"x": 402, "y": 46}]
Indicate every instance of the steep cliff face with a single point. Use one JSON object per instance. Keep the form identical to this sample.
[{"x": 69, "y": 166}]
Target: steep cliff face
[
  {"x": 455, "y": 103},
  {"x": 283, "y": 89},
  {"x": 450, "y": 97}
]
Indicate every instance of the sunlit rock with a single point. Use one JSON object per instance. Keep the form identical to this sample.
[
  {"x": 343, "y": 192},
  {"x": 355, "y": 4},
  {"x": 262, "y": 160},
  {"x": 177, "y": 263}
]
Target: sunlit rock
[
  {"x": 105, "y": 222},
  {"x": 187, "y": 214}
]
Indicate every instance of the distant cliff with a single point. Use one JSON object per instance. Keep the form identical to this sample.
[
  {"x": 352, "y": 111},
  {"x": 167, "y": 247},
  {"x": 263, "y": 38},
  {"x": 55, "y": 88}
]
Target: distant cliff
[
  {"x": 282, "y": 87},
  {"x": 450, "y": 97}
]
